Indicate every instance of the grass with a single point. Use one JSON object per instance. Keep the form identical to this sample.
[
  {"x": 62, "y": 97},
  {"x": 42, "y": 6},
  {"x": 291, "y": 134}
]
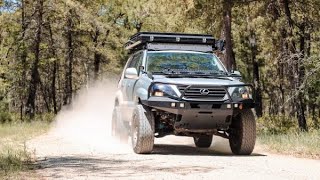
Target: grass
[
  {"x": 298, "y": 144},
  {"x": 14, "y": 157}
]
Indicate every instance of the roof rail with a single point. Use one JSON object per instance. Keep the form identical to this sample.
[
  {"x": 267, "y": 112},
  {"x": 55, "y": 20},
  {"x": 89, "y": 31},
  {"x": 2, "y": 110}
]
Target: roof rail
[{"x": 142, "y": 39}]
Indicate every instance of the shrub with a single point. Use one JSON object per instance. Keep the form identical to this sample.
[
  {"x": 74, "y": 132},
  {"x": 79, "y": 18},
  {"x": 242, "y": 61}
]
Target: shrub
[
  {"x": 13, "y": 161},
  {"x": 276, "y": 124},
  {"x": 5, "y": 116}
]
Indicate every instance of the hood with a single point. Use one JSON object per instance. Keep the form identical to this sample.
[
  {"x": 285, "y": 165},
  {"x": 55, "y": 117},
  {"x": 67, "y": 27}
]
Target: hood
[{"x": 197, "y": 81}]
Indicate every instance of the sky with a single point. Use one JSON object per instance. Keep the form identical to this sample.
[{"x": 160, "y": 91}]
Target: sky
[{"x": 9, "y": 5}]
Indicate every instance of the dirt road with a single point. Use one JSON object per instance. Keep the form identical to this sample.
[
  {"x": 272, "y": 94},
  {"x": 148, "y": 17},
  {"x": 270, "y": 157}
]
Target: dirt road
[
  {"x": 176, "y": 159},
  {"x": 79, "y": 147}
]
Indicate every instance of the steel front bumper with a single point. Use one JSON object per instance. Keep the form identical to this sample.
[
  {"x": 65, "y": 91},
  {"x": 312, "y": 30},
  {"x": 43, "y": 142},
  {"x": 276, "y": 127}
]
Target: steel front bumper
[{"x": 198, "y": 115}]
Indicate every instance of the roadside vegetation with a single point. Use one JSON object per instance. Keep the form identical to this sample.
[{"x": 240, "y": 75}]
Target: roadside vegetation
[
  {"x": 14, "y": 156},
  {"x": 281, "y": 135}
]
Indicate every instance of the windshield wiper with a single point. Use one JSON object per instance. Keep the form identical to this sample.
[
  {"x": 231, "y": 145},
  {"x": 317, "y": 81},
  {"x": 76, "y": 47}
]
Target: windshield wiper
[
  {"x": 171, "y": 72},
  {"x": 187, "y": 73},
  {"x": 208, "y": 73}
]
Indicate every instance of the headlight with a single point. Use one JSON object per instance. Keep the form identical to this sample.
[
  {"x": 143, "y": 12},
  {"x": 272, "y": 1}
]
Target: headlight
[
  {"x": 164, "y": 90},
  {"x": 241, "y": 93}
]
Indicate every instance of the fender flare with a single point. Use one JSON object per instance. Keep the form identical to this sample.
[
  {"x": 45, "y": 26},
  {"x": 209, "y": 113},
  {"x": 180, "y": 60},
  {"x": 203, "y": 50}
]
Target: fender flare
[{"x": 141, "y": 94}]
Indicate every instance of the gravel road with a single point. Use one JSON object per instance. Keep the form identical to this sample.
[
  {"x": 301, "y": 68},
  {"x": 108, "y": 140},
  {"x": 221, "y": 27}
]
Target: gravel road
[{"x": 172, "y": 158}]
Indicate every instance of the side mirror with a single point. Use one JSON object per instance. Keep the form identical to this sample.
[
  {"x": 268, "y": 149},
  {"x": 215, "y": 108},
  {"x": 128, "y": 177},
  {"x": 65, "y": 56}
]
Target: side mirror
[
  {"x": 236, "y": 73},
  {"x": 131, "y": 73}
]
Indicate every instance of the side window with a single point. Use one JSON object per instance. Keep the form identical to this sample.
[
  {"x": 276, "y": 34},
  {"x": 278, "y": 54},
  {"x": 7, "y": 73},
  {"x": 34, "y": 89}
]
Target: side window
[
  {"x": 136, "y": 61},
  {"x": 139, "y": 62},
  {"x": 132, "y": 62}
]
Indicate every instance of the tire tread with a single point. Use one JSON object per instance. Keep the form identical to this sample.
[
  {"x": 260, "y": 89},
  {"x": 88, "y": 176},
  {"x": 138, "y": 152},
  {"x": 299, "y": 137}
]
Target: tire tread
[{"x": 145, "y": 137}]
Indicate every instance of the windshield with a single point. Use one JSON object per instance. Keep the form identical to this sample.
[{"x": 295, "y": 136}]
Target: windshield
[{"x": 189, "y": 61}]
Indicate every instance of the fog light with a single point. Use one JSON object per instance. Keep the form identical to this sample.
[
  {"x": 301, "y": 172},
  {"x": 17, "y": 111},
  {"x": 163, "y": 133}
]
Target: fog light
[
  {"x": 235, "y": 105},
  {"x": 229, "y": 106},
  {"x": 182, "y": 105},
  {"x": 173, "y": 104}
]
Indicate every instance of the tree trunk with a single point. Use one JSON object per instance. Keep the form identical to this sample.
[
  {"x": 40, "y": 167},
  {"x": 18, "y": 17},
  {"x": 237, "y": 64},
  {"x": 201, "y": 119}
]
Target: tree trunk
[
  {"x": 256, "y": 82},
  {"x": 54, "y": 71},
  {"x": 313, "y": 115},
  {"x": 301, "y": 74},
  {"x": 23, "y": 60},
  {"x": 45, "y": 95},
  {"x": 69, "y": 61},
  {"x": 298, "y": 69},
  {"x": 229, "y": 55},
  {"x": 34, "y": 70},
  {"x": 97, "y": 56}
]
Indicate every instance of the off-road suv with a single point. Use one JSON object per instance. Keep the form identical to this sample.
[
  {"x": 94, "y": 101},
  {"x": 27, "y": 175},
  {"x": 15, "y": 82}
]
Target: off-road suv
[{"x": 175, "y": 84}]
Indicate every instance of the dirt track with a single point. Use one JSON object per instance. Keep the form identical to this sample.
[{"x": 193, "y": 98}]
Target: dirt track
[{"x": 177, "y": 159}]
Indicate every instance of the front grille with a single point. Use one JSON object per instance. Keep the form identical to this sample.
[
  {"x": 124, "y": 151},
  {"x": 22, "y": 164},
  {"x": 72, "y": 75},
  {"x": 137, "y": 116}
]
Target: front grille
[{"x": 194, "y": 93}]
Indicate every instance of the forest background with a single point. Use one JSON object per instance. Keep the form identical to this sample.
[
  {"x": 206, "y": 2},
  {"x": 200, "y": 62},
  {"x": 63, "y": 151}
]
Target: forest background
[{"x": 50, "y": 49}]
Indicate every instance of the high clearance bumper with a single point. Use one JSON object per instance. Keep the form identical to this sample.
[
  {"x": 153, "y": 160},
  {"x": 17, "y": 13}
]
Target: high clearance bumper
[{"x": 195, "y": 115}]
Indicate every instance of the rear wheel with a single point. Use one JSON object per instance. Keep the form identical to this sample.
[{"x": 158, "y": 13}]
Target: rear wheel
[
  {"x": 243, "y": 133},
  {"x": 142, "y": 130},
  {"x": 203, "y": 141},
  {"x": 118, "y": 128}
]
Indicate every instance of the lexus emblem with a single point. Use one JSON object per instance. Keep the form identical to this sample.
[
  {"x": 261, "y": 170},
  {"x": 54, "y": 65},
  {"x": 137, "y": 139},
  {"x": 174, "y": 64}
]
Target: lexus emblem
[{"x": 204, "y": 92}]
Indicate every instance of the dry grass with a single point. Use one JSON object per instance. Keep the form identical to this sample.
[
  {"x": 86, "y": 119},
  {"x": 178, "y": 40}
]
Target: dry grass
[
  {"x": 14, "y": 157},
  {"x": 299, "y": 144}
]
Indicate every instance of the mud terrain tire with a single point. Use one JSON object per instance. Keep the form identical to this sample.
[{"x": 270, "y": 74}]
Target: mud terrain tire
[
  {"x": 243, "y": 133},
  {"x": 203, "y": 141},
  {"x": 118, "y": 129},
  {"x": 142, "y": 130}
]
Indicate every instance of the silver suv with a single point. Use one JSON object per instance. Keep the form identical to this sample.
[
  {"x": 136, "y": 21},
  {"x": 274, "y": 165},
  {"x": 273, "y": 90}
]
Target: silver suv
[{"x": 175, "y": 84}]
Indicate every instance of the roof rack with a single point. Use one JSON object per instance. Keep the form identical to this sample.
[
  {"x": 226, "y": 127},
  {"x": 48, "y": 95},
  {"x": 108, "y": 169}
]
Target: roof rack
[{"x": 143, "y": 40}]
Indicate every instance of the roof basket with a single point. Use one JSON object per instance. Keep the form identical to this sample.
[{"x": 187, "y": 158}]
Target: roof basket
[{"x": 142, "y": 39}]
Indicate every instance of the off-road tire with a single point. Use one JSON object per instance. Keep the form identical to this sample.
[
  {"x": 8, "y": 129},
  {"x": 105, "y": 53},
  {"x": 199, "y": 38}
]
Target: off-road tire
[
  {"x": 142, "y": 130},
  {"x": 203, "y": 141},
  {"x": 118, "y": 129},
  {"x": 243, "y": 133}
]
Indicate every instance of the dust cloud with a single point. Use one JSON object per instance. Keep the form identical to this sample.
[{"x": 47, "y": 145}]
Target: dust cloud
[{"x": 87, "y": 122}]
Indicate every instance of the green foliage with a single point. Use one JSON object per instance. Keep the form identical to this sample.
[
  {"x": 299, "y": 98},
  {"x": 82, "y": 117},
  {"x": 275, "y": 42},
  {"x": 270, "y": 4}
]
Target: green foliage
[
  {"x": 13, "y": 161},
  {"x": 5, "y": 116},
  {"x": 275, "y": 124}
]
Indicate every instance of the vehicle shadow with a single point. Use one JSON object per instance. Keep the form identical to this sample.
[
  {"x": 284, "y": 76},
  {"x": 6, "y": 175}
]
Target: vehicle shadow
[
  {"x": 190, "y": 150},
  {"x": 173, "y": 145}
]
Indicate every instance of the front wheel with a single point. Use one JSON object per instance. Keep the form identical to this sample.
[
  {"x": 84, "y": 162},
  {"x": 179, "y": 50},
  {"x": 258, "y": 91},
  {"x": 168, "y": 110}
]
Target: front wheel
[
  {"x": 243, "y": 133},
  {"x": 203, "y": 141},
  {"x": 142, "y": 130}
]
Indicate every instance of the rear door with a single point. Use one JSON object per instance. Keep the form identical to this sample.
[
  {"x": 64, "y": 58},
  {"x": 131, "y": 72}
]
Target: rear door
[{"x": 136, "y": 62}]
